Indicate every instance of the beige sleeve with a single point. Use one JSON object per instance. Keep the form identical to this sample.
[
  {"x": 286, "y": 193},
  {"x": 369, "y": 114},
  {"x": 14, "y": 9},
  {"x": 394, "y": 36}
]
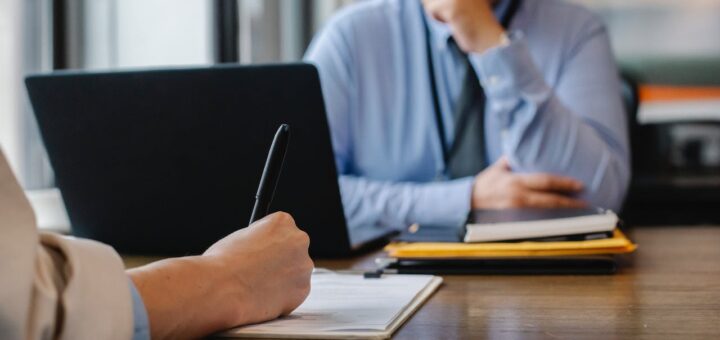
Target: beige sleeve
[
  {"x": 86, "y": 282},
  {"x": 54, "y": 287}
]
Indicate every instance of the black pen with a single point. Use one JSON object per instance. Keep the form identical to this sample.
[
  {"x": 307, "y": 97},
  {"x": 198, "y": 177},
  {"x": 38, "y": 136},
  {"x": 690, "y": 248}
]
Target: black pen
[{"x": 271, "y": 173}]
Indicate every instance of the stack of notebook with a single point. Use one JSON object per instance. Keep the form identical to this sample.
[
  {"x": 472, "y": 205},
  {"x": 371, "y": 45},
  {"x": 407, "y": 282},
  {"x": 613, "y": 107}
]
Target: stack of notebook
[{"x": 515, "y": 241}]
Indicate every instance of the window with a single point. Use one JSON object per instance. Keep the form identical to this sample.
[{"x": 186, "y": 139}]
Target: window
[
  {"x": 141, "y": 33},
  {"x": 665, "y": 41},
  {"x": 42, "y": 35},
  {"x": 280, "y": 30},
  {"x": 25, "y": 45},
  {"x": 9, "y": 125}
]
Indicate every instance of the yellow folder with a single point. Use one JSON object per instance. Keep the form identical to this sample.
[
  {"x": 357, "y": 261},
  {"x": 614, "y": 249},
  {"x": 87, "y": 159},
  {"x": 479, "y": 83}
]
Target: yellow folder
[{"x": 618, "y": 244}]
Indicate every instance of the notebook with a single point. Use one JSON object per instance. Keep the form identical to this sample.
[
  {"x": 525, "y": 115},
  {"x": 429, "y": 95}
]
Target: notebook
[
  {"x": 527, "y": 257},
  {"x": 342, "y": 306},
  {"x": 523, "y": 224},
  {"x": 617, "y": 244},
  {"x": 550, "y": 265}
]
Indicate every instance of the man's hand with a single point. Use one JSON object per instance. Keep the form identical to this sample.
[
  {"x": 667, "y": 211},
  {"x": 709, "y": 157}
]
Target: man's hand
[
  {"x": 269, "y": 261},
  {"x": 255, "y": 274},
  {"x": 472, "y": 22},
  {"x": 498, "y": 188}
]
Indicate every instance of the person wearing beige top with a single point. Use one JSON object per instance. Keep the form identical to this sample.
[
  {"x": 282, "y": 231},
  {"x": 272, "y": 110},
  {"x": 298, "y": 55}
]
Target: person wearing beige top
[{"x": 58, "y": 287}]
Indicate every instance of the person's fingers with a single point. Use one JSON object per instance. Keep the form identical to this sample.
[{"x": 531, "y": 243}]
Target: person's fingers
[
  {"x": 282, "y": 218},
  {"x": 546, "y": 200},
  {"x": 278, "y": 222},
  {"x": 546, "y": 182},
  {"x": 300, "y": 290},
  {"x": 501, "y": 164},
  {"x": 303, "y": 240},
  {"x": 433, "y": 4},
  {"x": 436, "y": 9}
]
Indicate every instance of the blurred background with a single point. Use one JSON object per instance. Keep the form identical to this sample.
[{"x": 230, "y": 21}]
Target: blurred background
[{"x": 669, "y": 52}]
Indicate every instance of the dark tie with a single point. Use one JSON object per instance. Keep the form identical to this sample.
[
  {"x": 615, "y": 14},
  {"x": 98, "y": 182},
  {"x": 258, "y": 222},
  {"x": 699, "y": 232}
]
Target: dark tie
[{"x": 466, "y": 156}]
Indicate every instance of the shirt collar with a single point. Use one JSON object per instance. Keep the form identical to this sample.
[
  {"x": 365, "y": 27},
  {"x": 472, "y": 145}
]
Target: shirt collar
[{"x": 441, "y": 32}]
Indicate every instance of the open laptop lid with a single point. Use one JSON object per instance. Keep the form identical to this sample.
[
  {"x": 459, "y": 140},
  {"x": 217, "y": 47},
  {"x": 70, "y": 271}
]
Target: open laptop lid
[{"x": 168, "y": 161}]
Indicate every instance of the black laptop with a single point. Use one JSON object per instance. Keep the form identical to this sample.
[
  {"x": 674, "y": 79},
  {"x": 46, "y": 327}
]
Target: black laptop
[{"x": 168, "y": 161}]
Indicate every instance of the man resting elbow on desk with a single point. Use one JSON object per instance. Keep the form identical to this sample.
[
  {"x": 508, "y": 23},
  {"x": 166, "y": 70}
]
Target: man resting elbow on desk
[
  {"x": 437, "y": 107},
  {"x": 54, "y": 287}
]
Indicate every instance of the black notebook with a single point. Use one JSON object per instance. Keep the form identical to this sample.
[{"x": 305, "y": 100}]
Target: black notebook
[{"x": 575, "y": 265}]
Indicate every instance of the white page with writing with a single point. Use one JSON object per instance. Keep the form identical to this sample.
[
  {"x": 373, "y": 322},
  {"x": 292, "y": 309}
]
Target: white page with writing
[{"x": 340, "y": 302}]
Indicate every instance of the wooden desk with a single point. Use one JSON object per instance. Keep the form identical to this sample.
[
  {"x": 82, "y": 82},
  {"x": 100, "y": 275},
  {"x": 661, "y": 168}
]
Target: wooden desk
[{"x": 670, "y": 288}]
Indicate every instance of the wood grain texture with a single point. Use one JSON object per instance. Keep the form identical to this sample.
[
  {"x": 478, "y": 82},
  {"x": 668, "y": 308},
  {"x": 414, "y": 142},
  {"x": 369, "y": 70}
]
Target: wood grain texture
[{"x": 670, "y": 288}]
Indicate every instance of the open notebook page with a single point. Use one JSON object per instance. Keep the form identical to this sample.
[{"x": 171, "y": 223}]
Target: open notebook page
[{"x": 346, "y": 303}]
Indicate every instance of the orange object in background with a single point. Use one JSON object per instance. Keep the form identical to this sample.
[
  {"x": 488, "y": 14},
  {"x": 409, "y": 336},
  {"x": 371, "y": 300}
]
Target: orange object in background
[{"x": 653, "y": 93}]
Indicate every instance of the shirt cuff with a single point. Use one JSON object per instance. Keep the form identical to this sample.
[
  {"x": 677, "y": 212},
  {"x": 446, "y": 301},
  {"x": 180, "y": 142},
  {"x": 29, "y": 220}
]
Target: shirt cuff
[
  {"x": 508, "y": 74},
  {"x": 444, "y": 204},
  {"x": 141, "y": 329}
]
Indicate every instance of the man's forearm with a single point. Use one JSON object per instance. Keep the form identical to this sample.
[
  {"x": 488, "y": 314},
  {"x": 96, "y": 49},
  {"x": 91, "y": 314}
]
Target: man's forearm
[
  {"x": 581, "y": 137},
  {"x": 398, "y": 205},
  {"x": 255, "y": 274},
  {"x": 185, "y": 297}
]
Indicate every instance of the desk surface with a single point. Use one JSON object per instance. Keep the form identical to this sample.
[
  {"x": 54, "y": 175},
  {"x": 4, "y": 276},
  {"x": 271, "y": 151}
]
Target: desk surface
[{"x": 669, "y": 288}]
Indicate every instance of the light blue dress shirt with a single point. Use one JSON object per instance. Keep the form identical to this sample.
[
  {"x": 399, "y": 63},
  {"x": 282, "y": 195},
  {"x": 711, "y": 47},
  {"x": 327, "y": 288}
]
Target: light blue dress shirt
[
  {"x": 141, "y": 330},
  {"x": 553, "y": 106}
]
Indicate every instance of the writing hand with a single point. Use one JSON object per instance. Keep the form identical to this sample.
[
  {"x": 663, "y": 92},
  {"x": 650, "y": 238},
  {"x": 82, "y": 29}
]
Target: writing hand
[{"x": 255, "y": 274}]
